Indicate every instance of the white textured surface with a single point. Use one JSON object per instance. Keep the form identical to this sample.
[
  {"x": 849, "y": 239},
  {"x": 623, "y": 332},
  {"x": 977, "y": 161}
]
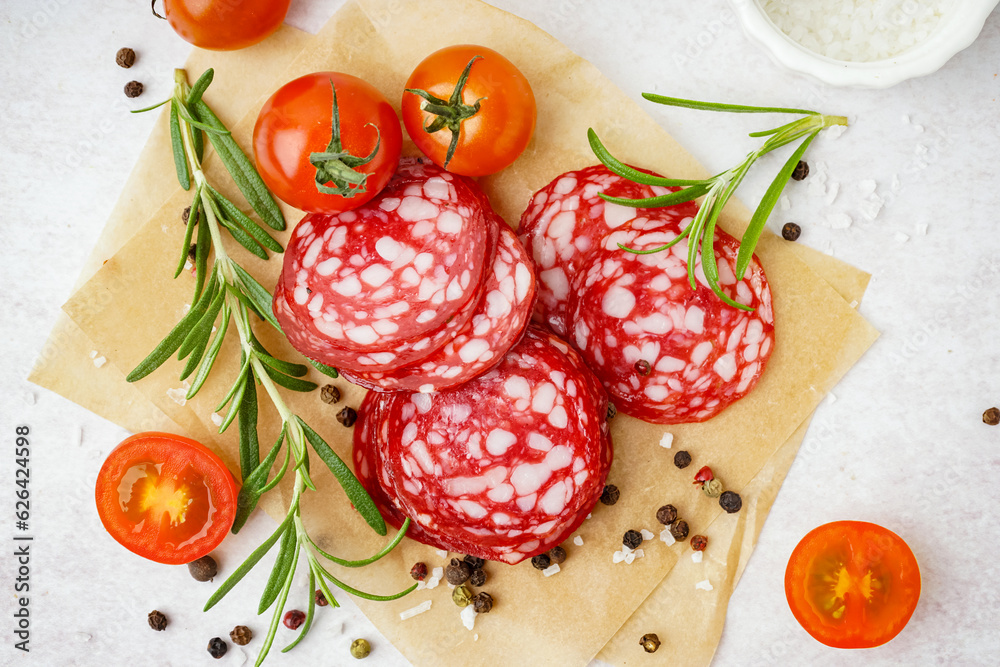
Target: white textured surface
[{"x": 902, "y": 446}]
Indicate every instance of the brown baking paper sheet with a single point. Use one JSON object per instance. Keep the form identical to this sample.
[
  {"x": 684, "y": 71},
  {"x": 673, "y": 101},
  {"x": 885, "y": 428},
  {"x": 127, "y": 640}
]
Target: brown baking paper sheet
[{"x": 819, "y": 337}]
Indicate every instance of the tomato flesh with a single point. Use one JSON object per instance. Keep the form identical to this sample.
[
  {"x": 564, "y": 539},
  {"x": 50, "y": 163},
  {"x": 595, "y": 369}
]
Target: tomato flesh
[
  {"x": 225, "y": 25},
  {"x": 852, "y": 584},
  {"x": 165, "y": 497}
]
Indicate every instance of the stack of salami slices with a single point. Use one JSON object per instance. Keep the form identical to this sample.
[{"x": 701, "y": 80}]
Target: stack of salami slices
[
  {"x": 421, "y": 289},
  {"x": 666, "y": 353},
  {"x": 503, "y": 467}
]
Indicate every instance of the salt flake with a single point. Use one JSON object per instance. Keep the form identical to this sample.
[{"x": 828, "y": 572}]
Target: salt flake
[
  {"x": 646, "y": 534},
  {"x": 551, "y": 569},
  {"x": 704, "y": 585},
  {"x": 413, "y": 611},
  {"x": 667, "y": 537},
  {"x": 442, "y": 553},
  {"x": 697, "y": 556},
  {"x": 667, "y": 440},
  {"x": 901, "y": 237},
  {"x": 100, "y": 361},
  {"x": 578, "y": 541},
  {"x": 468, "y": 615},
  {"x": 617, "y": 557},
  {"x": 217, "y": 419}
]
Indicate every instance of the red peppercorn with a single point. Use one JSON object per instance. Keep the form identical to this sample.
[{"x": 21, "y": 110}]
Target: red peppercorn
[
  {"x": 704, "y": 475},
  {"x": 320, "y": 598},
  {"x": 293, "y": 619},
  {"x": 699, "y": 542},
  {"x": 419, "y": 571}
]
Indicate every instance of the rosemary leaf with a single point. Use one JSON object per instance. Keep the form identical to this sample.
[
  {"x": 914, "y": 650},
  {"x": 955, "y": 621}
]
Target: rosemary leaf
[
  {"x": 202, "y": 249},
  {"x": 234, "y": 407},
  {"x": 717, "y": 106},
  {"x": 254, "y": 484},
  {"x": 679, "y": 197},
  {"x": 198, "y": 89},
  {"x": 367, "y": 561},
  {"x": 321, "y": 580},
  {"x": 249, "y": 563},
  {"x": 236, "y": 231},
  {"x": 213, "y": 352},
  {"x": 295, "y": 384},
  {"x": 310, "y": 611},
  {"x": 258, "y": 294},
  {"x": 189, "y": 230},
  {"x": 352, "y": 487},
  {"x": 249, "y": 444},
  {"x": 245, "y": 300},
  {"x": 329, "y": 371},
  {"x": 246, "y": 222},
  {"x": 199, "y": 335},
  {"x": 272, "y": 629},
  {"x": 362, "y": 594},
  {"x": 242, "y": 170},
  {"x": 177, "y": 144},
  {"x": 280, "y": 571},
  {"x": 625, "y": 171},
  {"x": 244, "y": 369},
  {"x": 286, "y": 367}
]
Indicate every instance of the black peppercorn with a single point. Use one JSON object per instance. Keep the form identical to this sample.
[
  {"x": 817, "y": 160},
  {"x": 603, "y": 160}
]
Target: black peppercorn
[
  {"x": 293, "y": 619},
  {"x": 457, "y": 572},
  {"x": 731, "y": 501},
  {"x": 482, "y": 602},
  {"x": 474, "y": 562},
  {"x": 791, "y": 231},
  {"x": 682, "y": 459},
  {"x": 679, "y": 529},
  {"x": 992, "y": 416},
  {"x": 329, "y": 394},
  {"x": 185, "y": 214},
  {"x": 610, "y": 494},
  {"x": 612, "y": 411},
  {"x": 632, "y": 539},
  {"x": 642, "y": 367},
  {"x": 241, "y": 635},
  {"x": 557, "y": 555},
  {"x": 478, "y": 577},
  {"x": 203, "y": 569},
  {"x": 217, "y": 647},
  {"x": 133, "y": 89},
  {"x": 666, "y": 515},
  {"x": 193, "y": 252},
  {"x": 801, "y": 171},
  {"x": 347, "y": 417},
  {"x": 541, "y": 562},
  {"x": 650, "y": 643},
  {"x": 419, "y": 571},
  {"x": 157, "y": 621},
  {"x": 125, "y": 57},
  {"x": 320, "y": 598},
  {"x": 699, "y": 542}
]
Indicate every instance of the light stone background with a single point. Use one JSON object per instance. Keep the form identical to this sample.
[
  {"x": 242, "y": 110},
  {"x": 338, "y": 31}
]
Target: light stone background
[{"x": 900, "y": 444}]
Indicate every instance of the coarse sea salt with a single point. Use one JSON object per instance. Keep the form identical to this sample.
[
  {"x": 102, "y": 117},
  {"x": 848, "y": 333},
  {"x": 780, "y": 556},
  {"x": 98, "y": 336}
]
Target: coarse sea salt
[
  {"x": 578, "y": 541},
  {"x": 704, "y": 585},
  {"x": 413, "y": 611},
  {"x": 697, "y": 556},
  {"x": 667, "y": 440},
  {"x": 857, "y": 30}
]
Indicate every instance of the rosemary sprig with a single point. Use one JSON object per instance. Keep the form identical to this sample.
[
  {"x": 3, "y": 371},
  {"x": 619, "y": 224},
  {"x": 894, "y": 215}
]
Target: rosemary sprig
[
  {"x": 226, "y": 293},
  {"x": 717, "y": 189}
]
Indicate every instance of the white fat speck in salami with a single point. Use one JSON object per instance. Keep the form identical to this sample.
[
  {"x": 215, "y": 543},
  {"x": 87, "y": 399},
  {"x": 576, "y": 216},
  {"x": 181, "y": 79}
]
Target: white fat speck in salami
[
  {"x": 428, "y": 249},
  {"x": 480, "y": 475},
  {"x": 666, "y": 353},
  {"x": 561, "y": 239},
  {"x": 498, "y": 322}
]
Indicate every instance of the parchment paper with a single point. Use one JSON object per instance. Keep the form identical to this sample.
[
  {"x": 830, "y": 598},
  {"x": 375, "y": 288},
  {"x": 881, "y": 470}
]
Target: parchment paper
[{"x": 819, "y": 337}]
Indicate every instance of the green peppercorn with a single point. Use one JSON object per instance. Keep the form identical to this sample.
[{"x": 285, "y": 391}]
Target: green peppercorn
[
  {"x": 666, "y": 515},
  {"x": 650, "y": 643},
  {"x": 462, "y": 596},
  {"x": 712, "y": 488},
  {"x": 482, "y": 602},
  {"x": 360, "y": 648}
]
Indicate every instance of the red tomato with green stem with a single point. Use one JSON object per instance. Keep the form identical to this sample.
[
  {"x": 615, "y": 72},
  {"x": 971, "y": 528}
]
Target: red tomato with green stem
[
  {"x": 852, "y": 584},
  {"x": 166, "y": 497},
  {"x": 469, "y": 109},
  {"x": 327, "y": 142},
  {"x": 224, "y": 25}
]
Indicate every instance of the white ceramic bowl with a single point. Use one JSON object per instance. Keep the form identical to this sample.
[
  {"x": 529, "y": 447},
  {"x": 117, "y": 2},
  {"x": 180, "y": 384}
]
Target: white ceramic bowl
[{"x": 956, "y": 30}]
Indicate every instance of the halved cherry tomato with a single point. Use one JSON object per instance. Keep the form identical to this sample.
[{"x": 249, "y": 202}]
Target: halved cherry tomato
[
  {"x": 166, "y": 497},
  {"x": 225, "y": 25},
  {"x": 295, "y": 129},
  {"x": 852, "y": 584},
  {"x": 476, "y": 126}
]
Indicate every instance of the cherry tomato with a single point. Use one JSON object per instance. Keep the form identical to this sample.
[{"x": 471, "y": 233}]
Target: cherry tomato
[
  {"x": 484, "y": 140},
  {"x": 166, "y": 497},
  {"x": 852, "y": 584},
  {"x": 295, "y": 125},
  {"x": 225, "y": 25}
]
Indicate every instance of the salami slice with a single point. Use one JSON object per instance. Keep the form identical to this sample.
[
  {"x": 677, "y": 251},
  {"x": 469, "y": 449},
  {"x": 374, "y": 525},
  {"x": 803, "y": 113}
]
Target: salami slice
[
  {"x": 505, "y": 466},
  {"x": 385, "y": 284},
  {"x": 666, "y": 353},
  {"x": 498, "y": 323},
  {"x": 567, "y": 219}
]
